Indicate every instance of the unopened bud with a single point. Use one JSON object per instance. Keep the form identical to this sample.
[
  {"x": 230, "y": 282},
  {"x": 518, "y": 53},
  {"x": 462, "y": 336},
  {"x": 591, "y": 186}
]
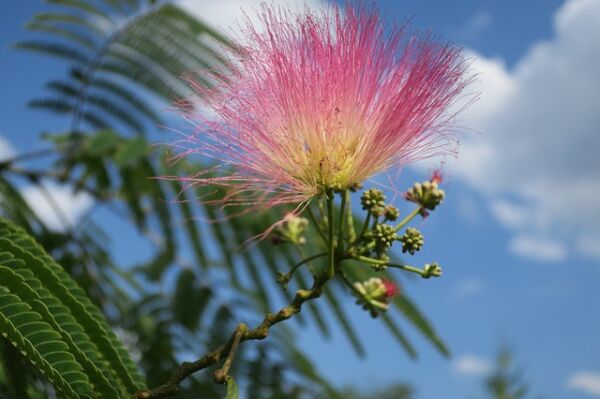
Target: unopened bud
[
  {"x": 412, "y": 240},
  {"x": 391, "y": 213},
  {"x": 375, "y": 294},
  {"x": 354, "y": 187},
  {"x": 432, "y": 270},
  {"x": 283, "y": 278},
  {"x": 291, "y": 229},
  {"x": 426, "y": 194},
  {"x": 385, "y": 235},
  {"x": 372, "y": 199}
]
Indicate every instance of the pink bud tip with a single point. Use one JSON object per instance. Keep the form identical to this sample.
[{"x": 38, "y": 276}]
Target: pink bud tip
[
  {"x": 391, "y": 289},
  {"x": 437, "y": 177}
]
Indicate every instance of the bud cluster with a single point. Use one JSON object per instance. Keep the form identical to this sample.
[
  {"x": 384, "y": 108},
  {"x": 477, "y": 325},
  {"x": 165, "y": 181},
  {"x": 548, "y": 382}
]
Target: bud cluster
[
  {"x": 412, "y": 240},
  {"x": 426, "y": 194},
  {"x": 371, "y": 246},
  {"x": 391, "y": 213},
  {"x": 373, "y": 200},
  {"x": 375, "y": 294},
  {"x": 291, "y": 230}
]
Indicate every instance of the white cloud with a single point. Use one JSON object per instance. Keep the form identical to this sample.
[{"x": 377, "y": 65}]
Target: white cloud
[
  {"x": 72, "y": 206},
  {"x": 469, "y": 209},
  {"x": 472, "y": 365},
  {"x": 224, "y": 14},
  {"x": 510, "y": 214},
  {"x": 538, "y": 248},
  {"x": 6, "y": 150},
  {"x": 585, "y": 381},
  {"x": 589, "y": 245},
  {"x": 469, "y": 287},
  {"x": 539, "y": 138},
  {"x": 478, "y": 23}
]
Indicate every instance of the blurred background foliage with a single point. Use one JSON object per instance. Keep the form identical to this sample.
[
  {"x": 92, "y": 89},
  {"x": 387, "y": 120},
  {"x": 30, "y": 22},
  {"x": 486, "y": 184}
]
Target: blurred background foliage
[
  {"x": 125, "y": 61},
  {"x": 506, "y": 381}
]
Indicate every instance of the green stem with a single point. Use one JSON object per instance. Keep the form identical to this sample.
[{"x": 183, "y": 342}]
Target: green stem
[
  {"x": 365, "y": 226},
  {"x": 350, "y": 220},
  {"x": 304, "y": 261},
  {"x": 347, "y": 281},
  {"x": 340, "y": 244},
  {"x": 315, "y": 223},
  {"x": 408, "y": 268},
  {"x": 409, "y": 217},
  {"x": 330, "y": 225}
]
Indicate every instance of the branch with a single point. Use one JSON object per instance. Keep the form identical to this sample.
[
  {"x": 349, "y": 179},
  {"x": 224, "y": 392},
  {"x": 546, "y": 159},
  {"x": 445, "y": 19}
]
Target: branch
[
  {"x": 171, "y": 387},
  {"x": 221, "y": 375}
]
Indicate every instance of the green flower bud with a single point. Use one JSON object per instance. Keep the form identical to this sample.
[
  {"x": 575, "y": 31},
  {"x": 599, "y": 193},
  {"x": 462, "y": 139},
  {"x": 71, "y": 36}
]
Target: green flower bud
[
  {"x": 375, "y": 294},
  {"x": 377, "y": 211},
  {"x": 426, "y": 194},
  {"x": 412, "y": 240},
  {"x": 283, "y": 278},
  {"x": 384, "y": 235},
  {"x": 361, "y": 250},
  {"x": 432, "y": 270},
  {"x": 354, "y": 187},
  {"x": 291, "y": 229},
  {"x": 391, "y": 213},
  {"x": 378, "y": 268},
  {"x": 372, "y": 199}
]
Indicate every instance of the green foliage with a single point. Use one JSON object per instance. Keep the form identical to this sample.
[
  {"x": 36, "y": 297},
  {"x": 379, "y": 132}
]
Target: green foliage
[
  {"x": 414, "y": 315},
  {"x": 393, "y": 391},
  {"x": 505, "y": 381},
  {"x": 152, "y": 49},
  {"x": 232, "y": 389},
  {"x": 54, "y": 325}
]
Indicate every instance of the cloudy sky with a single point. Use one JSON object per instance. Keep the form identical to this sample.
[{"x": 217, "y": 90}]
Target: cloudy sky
[{"x": 519, "y": 235}]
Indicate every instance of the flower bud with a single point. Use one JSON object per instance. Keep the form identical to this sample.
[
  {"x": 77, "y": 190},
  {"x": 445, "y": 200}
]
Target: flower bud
[
  {"x": 283, "y": 278},
  {"x": 385, "y": 235},
  {"x": 426, "y": 194},
  {"x": 372, "y": 199},
  {"x": 391, "y": 213},
  {"x": 375, "y": 294},
  {"x": 432, "y": 270},
  {"x": 354, "y": 187},
  {"x": 412, "y": 240},
  {"x": 291, "y": 229}
]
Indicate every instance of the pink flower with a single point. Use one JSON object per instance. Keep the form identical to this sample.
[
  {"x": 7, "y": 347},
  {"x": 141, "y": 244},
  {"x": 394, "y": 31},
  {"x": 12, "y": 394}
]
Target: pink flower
[{"x": 322, "y": 100}]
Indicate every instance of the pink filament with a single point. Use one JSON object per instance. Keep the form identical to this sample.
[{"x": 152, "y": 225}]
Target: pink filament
[{"x": 322, "y": 95}]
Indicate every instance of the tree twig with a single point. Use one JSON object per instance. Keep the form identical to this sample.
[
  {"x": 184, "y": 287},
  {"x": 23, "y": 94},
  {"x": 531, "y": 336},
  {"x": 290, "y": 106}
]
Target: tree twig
[
  {"x": 260, "y": 332},
  {"x": 221, "y": 375}
]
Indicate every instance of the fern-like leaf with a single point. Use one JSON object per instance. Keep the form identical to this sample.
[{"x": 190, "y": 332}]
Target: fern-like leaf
[
  {"x": 416, "y": 317},
  {"x": 52, "y": 281}
]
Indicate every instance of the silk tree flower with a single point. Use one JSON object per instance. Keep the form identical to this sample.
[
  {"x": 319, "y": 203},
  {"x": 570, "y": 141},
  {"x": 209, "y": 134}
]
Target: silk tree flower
[{"x": 322, "y": 100}]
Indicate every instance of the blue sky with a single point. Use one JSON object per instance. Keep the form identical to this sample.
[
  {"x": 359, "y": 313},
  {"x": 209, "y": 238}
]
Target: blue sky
[{"x": 519, "y": 233}]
